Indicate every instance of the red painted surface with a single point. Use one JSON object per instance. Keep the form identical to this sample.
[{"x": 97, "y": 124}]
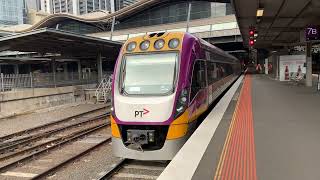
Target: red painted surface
[{"x": 238, "y": 160}]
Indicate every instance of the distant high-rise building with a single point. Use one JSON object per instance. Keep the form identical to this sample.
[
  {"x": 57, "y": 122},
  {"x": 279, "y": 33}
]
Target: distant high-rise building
[
  {"x": 119, "y": 4},
  {"x": 76, "y": 7},
  {"x": 12, "y": 12}
]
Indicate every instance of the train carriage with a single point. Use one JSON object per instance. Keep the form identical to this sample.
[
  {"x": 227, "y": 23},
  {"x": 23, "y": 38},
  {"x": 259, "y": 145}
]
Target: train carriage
[{"x": 162, "y": 83}]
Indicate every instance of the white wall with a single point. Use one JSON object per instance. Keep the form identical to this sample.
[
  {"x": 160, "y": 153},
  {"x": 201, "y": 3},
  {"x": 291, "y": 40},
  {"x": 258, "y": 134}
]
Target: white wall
[{"x": 293, "y": 62}]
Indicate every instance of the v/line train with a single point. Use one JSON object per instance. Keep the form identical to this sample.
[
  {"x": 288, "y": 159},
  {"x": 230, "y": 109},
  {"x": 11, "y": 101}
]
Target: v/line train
[{"x": 162, "y": 83}]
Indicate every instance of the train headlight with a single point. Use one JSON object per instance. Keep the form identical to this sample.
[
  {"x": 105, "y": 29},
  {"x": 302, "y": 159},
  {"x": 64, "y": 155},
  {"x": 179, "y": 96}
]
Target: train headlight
[
  {"x": 159, "y": 44},
  {"x": 182, "y": 102},
  {"x": 131, "y": 46},
  {"x": 129, "y": 136},
  {"x": 151, "y": 136},
  {"x": 145, "y": 45},
  {"x": 174, "y": 43}
]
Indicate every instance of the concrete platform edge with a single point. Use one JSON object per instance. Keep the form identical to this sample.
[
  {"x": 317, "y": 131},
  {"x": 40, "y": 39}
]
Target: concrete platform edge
[{"x": 184, "y": 164}]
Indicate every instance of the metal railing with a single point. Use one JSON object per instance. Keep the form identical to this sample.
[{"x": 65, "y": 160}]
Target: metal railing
[
  {"x": 9, "y": 82},
  {"x": 103, "y": 91}
]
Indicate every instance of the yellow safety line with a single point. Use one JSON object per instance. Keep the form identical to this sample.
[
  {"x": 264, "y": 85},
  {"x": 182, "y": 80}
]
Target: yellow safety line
[{"x": 226, "y": 143}]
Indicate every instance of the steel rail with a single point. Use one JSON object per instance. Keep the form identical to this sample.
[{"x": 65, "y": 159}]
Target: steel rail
[
  {"x": 114, "y": 169},
  {"x": 47, "y": 150},
  {"x": 37, "y": 128},
  {"x": 70, "y": 160},
  {"x": 43, "y": 145},
  {"x": 39, "y": 136}
]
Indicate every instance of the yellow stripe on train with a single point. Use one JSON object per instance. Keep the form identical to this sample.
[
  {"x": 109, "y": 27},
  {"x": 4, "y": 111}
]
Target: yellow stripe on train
[{"x": 114, "y": 128}]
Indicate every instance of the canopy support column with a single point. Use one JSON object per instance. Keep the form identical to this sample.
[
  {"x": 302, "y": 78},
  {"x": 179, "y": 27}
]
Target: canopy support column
[
  {"x": 99, "y": 66},
  {"x": 309, "y": 65}
]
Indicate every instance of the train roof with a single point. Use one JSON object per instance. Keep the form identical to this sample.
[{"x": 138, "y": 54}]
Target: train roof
[{"x": 216, "y": 49}]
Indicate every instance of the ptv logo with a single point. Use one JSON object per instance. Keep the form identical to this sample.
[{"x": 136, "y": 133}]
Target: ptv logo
[{"x": 141, "y": 113}]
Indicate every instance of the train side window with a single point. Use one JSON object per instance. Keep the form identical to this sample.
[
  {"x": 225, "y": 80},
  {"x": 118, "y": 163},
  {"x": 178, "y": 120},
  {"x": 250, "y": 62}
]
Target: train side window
[
  {"x": 212, "y": 75},
  {"x": 221, "y": 72},
  {"x": 198, "y": 78}
]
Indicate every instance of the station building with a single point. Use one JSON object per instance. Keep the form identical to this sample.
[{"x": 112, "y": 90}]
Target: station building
[
  {"x": 283, "y": 38},
  {"x": 79, "y": 51},
  {"x": 214, "y": 21}
]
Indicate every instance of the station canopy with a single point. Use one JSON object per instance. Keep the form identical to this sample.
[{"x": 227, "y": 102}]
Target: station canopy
[
  {"x": 68, "y": 45},
  {"x": 280, "y": 22}
]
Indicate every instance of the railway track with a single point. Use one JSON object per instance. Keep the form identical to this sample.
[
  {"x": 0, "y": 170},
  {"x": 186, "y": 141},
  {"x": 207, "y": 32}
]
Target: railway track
[
  {"x": 20, "y": 135},
  {"x": 71, "y": 159},
  {"x": 18, "y": 144},
  {"x": 35, "y": 158},
  {"x": 16, "y": 153},
  {"x": 24, "y": 147},
  {"x": 23, "y": 135},
  {"x": 133, "y": 169}
]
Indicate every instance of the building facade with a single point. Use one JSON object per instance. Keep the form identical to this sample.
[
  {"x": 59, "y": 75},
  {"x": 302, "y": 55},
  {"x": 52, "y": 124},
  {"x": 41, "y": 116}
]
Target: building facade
[
  {"x": 12, "y": 12},
  {"x": 75, "y": 7},
  {"x": 80, "y": 7},
  {"x": 119, "y": 4},
  {"x": 175, "y": 12}
]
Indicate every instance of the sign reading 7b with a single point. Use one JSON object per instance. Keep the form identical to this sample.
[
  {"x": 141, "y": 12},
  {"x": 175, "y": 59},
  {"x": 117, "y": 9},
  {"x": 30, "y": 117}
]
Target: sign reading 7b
[{"x": 312, "y": 33}]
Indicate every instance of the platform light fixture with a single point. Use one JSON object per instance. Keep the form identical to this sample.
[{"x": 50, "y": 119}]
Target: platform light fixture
[{"x": 260, "y": 12}]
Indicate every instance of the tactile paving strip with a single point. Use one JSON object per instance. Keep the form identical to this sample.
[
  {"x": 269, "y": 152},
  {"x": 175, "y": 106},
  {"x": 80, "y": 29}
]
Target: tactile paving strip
[{"x": 238, "y": 160}]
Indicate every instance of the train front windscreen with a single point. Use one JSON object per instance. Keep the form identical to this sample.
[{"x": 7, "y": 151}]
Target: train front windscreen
[{"x": 146, "y": 74}]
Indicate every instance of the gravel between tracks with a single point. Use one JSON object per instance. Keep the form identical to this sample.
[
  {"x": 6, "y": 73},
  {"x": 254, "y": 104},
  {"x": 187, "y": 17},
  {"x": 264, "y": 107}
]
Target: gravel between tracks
[
  {"x": 88, "y": 167},
  {"x": 22, "y": 122}
]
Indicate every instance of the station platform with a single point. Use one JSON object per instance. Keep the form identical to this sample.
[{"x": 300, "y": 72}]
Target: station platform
[{"x": 261, "y": 129}]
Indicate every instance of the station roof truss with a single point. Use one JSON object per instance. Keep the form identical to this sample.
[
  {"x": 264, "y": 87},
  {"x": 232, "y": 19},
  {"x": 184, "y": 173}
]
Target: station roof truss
[
  {"x": 282, "y": 24},
  {"x": 66, "y": 44}
]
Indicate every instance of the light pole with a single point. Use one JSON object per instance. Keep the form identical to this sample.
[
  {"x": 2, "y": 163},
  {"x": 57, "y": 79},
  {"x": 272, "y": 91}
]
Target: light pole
[{"x": 188, "y": 17}]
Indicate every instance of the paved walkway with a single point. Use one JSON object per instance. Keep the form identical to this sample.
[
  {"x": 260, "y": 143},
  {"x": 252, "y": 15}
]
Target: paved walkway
[
  {"x": 274, "y": 133},
  {"x": 287, "y": 130}
]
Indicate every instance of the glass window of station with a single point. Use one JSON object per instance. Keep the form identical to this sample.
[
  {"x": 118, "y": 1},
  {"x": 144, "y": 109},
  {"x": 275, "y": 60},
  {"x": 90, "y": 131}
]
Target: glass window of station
[
  {"x": 176, "y": 12},
  {"x": 76, "y": 27}
]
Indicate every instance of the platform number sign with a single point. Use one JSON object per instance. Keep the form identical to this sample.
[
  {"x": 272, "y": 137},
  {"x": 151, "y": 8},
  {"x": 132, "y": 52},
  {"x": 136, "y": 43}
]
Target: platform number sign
[{"x": 312, "y": 33}]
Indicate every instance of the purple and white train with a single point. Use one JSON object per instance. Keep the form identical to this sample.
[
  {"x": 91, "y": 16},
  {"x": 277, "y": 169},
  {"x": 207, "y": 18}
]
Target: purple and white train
[{"x": 162, "y": 83}]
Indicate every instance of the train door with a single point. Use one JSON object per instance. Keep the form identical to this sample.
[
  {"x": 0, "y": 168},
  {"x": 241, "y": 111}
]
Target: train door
[{"x": 211, "y": 77}]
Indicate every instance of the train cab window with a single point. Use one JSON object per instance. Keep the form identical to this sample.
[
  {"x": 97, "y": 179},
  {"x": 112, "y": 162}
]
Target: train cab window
[
  {"x": 149, "y": 74},
  {"x": 198, "y": 78}
]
